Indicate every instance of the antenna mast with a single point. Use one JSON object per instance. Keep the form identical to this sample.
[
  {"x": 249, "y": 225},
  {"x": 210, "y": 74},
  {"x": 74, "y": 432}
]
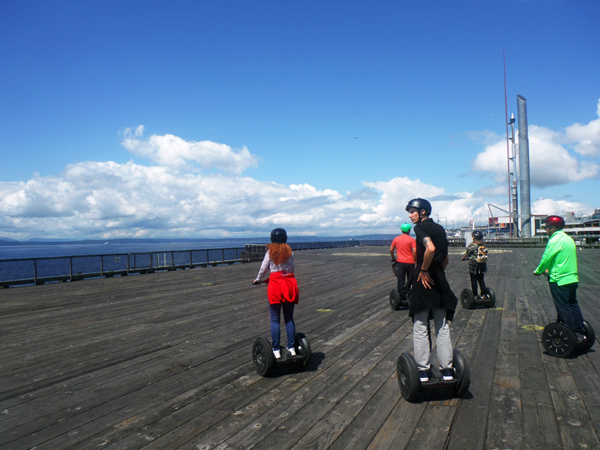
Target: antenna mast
[{"x": 507, "y": 148}]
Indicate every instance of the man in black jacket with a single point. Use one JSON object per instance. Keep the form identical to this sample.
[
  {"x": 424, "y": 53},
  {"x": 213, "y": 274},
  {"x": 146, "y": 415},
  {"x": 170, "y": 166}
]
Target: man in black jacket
[{"x": 431, "y": 293}]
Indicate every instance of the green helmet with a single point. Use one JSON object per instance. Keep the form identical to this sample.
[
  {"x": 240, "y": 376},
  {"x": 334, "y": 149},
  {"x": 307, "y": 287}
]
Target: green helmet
[{"x": 405, "y": 227}]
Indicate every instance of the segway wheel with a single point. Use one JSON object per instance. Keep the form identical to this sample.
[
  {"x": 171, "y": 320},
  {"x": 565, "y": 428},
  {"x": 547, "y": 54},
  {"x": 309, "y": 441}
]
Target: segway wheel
[
  {"x": 590, "y": 335},
  {"x": 408, "y": 377},
  {"x": 462, "y": 374},
  {"x": 303, "y": 349},
  {"x": 558, "y": 340},
  {"x": 491, "y": 296},
  {"x": 263, "y": 357},
  {"x": 395, "y": 299},
  {"x": 467, "y": 299}
]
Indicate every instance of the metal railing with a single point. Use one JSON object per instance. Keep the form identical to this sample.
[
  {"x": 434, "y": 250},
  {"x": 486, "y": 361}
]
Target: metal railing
[
  {"x": 30, "y": 271},
  {"x": 21, "y": 271},
  {"x": 33, "y": 271}
]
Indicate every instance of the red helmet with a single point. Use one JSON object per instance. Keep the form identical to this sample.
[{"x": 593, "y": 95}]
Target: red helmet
[{"x": 556, "y": 222}]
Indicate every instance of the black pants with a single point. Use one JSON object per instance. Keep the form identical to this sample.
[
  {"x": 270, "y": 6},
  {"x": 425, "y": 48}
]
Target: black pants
[
  {"x": 567, "y": 308},
  {"x": 477, "y": 278},
  {"x": 404, "y": 274}
]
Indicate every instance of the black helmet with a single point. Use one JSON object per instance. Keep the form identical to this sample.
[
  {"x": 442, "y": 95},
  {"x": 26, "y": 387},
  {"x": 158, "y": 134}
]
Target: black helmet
[
  {"x": 419, "y": 203},
  {"x": 278, "y": 236},
  {"x": 477, "y": 235}
]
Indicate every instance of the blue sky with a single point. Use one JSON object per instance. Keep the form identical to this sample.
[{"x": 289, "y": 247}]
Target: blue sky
[{"x": 227, "y": 118}]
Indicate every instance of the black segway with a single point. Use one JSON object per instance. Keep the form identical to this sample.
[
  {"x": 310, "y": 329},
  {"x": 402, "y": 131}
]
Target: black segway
[
  {"x": 411, "y": 385},
  {"x": 264, "y": 359},
  {"x": 397, "y": 301},
  {"x": 468, "y": 300},
  {"x": 560, "y": 341}
]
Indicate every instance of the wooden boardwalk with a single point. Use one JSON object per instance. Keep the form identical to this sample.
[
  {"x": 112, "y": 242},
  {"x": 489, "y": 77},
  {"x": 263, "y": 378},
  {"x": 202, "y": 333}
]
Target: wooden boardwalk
[{"x": 162, "y": 361}]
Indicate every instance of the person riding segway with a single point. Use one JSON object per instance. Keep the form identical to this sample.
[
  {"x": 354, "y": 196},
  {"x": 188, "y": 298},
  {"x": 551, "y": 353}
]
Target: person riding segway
[
  {"x": 476, "y": 254},
  {"x": 570, "y": 332},
  {"x": 431, "y": 295},
  {"x": 283, "y": 294},
  {"x": 403, "y": 265}
]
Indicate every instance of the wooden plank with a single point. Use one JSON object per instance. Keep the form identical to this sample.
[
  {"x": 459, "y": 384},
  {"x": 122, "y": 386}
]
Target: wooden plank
[{"x": 149, "y": 362}]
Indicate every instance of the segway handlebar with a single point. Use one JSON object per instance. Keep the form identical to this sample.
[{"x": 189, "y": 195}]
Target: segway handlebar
[{"x": 259, "y": 282}]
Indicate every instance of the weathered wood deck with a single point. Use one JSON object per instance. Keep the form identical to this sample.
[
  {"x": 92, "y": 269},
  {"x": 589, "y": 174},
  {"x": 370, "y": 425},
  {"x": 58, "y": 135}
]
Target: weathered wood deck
[{"x": 162, "y": 361}]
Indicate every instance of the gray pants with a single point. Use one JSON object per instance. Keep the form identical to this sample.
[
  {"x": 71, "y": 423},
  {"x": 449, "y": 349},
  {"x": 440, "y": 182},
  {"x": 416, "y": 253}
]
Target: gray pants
[{"x": 421, "y": 341}]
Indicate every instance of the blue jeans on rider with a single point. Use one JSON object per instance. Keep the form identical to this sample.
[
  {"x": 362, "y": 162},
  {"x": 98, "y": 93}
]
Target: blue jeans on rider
[
  {"x": 567, "y": 308},
  {"x": 288, "y": 317}
]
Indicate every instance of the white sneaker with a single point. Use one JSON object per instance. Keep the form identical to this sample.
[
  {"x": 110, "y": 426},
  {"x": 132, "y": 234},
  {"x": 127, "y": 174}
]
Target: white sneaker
[
  {"x": 292, "y": 351},
  {"x": 447, "y": 375},
  {"x": 277, "y": 354}
]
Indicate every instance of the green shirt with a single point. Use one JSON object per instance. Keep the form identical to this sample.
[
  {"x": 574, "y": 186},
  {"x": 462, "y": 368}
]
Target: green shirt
[{"x": 560, "y": 259}]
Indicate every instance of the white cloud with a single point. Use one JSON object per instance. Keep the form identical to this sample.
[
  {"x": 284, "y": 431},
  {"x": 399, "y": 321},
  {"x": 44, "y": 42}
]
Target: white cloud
[
  {"x": 110, "y": 200},
  {"x": 397, "y": 192},
  {"x": 550, "y": 163},
  {"x": 174, "y": 152},
  {"x": 549, "y": 206},
  {"x": 585, "y": 137}
]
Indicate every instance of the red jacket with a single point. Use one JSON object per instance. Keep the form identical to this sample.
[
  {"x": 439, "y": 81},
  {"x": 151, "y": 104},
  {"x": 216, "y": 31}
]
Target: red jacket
[{"x": 283, "y": 288}]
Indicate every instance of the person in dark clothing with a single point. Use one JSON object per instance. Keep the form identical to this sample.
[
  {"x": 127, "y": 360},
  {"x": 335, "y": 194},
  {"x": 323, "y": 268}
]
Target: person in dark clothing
[
  {"x": 476, "y": 254},
  {"x": 430, "y": 292}
]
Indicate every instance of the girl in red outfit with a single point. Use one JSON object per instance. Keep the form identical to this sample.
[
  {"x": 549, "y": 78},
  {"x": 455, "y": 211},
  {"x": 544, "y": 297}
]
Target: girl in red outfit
[{"x": 283, "y": 289}]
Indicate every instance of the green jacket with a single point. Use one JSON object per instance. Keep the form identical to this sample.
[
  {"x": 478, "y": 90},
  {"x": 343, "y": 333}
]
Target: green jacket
[{"x": 560, "y": 259}]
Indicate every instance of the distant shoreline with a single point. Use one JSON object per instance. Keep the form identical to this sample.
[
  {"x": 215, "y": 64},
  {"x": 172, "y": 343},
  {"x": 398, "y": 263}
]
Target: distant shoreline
[{"x": 254, "y": 240}]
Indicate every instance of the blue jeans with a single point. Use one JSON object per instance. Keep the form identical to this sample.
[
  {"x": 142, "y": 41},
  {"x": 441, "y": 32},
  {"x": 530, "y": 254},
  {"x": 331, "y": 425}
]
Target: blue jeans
[
  {"x": 288, "y": 317},
  {"x": 567, "y": 308}
]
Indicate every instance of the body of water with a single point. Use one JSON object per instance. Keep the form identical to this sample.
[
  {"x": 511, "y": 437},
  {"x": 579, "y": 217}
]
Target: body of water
[
  {"x": 53, "y": 250},
  {"x": 96, "y": 258}
]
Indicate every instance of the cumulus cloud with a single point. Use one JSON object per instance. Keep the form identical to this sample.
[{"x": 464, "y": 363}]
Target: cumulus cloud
[
  {"x": 585, "y": 137},
  {"x": 396, "y": 193},
  {"x": 559, "y": 207},
  {"x": 550, "y": 163},
  {"x": 174, "y": 152},
  {"x": 109, "y": 200}
]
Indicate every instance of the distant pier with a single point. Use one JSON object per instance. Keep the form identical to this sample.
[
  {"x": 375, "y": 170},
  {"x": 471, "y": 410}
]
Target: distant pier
[{"x": 163, "y": 361}]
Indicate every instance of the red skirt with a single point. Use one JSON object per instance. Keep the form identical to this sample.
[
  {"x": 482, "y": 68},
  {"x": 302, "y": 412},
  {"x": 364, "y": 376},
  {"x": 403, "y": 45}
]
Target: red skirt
[{"x": 282, "y": 288}]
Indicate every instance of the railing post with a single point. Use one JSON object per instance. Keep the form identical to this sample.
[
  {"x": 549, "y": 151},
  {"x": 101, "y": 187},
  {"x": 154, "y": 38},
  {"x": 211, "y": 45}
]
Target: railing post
[
  {"x": 101, "y": 265},
  {"x": 223, "y": 253},
  {"x": 35, "y": 271},
  {"x": 172, "y": 261},
  {"x": 151, "y": 262},
  {"x": 71, "y": 268},
  {"x": 191, "y": 262},
  {"x": 127, "y": 263},
  {"x": 207, "y": 257}
]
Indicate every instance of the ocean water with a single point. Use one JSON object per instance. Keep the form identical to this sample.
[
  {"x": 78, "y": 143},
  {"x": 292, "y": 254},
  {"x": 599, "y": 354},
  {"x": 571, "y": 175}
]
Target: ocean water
[
  {"x": 26, "y": 262},
  {"x": 94, "y": 258},
  {"x": 53, "y": 250}
]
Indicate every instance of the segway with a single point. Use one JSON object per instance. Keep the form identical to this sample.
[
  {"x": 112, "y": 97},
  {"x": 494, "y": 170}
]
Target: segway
[
  {"x": 396, "y": 300},
  {"x": 410, "y": 382},
  {"x": 264, "y": 359},
  {"x": 411, "y": 385},
  {"x": 468, "y": 300},
  {"x": 560, "y": 341}
]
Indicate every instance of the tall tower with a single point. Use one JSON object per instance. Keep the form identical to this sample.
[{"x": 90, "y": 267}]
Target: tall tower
[{"x": 524, "y": 185}]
